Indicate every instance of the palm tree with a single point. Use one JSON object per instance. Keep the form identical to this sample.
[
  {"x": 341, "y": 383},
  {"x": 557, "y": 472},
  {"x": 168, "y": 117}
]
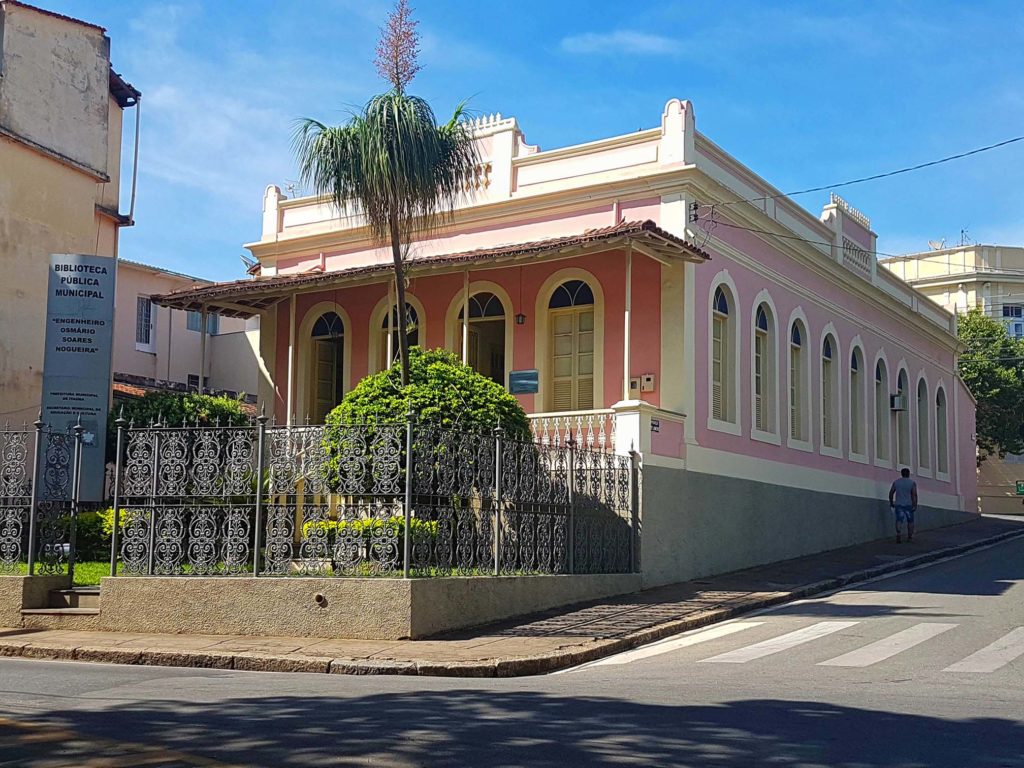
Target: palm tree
[{"x": 391, "y": 162}]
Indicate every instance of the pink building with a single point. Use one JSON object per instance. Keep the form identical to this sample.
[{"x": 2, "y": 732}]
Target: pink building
[{"x": 771, "y": 376}]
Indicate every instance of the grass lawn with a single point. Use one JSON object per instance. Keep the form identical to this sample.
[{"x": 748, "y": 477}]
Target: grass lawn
[{"x": 87, "y": 573}]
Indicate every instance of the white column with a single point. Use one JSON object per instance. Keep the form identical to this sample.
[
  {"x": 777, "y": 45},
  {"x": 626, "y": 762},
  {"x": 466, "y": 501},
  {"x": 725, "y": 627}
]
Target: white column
[
  {"x": 291, "y": 359},
  {"x": 389, "y": 344},
  {"x": 625, "y": 319},
  {"x": 465, "y": 317}
]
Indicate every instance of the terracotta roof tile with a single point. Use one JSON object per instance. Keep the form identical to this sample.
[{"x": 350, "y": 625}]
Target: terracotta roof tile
[{"x": 250, "y": 290}]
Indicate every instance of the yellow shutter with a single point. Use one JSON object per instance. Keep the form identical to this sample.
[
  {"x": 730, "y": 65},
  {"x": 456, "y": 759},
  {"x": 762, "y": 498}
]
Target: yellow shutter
[
  {"x": 795, "y": 394},
  {"x": 826, "y": 403},
  {"x": 759, "y": 373},
  {"x": 718, "y": 367},
  {"x": 572, "y": 359}
]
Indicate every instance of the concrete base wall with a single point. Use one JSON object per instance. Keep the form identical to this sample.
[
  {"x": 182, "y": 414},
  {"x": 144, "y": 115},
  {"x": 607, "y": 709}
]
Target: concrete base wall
[
  {"x": 441, "y": 605},
  {"x": 17, "y": 592},
  {"x": 389, "y": 609},
  {"x": 696, "y": 524}
]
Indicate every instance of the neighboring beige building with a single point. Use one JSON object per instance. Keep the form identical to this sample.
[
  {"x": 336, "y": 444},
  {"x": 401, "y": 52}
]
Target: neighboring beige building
[
  {"x": 61, "y": 109},
  {"x": 160, "y": 348},
  {"x": 991, "y": 278}
]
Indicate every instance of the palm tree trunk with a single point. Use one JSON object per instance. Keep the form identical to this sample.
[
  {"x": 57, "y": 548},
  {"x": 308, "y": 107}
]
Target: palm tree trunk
[{"x": 403, "y": 320}]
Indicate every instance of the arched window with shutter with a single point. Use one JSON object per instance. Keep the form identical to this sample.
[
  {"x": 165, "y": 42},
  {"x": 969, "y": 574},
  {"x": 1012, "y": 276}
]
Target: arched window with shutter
[
  {"x": 882, "y": 419},
  {"x": 798, "y": 421},
  {"x": 923, "y": 422},
  {"x": 722, "y": 374},
  {"x": 571, "y": 321},
  {"x": 857, "y": 442},
  {"x": 902, "y": 421},
  {"x": 941, "y": 433},
  {"x": 764, "y": 377},
  {"x": 829, "y": 393}
]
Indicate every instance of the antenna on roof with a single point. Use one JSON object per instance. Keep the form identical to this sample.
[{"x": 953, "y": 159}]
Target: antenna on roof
[{"x": 937, "y": 245}]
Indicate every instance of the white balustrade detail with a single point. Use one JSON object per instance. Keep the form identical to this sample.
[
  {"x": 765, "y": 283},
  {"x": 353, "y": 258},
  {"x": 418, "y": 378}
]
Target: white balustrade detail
[{"x": 589, "y": 429}]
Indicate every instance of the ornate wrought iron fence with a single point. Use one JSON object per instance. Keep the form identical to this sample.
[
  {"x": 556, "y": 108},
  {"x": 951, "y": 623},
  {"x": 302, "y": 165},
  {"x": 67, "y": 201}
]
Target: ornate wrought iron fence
[
  {"x": 38, "y": 499},
  {"x": 376, "y": 499}
]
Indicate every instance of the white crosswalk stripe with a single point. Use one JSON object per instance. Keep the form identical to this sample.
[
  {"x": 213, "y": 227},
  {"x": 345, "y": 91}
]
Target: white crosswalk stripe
[
  {"x": 889, "y": 646},
  {"x": 781, "y": 643},
  {"x": 681, "y": 642},
  {"x": 992, "y": 657}
]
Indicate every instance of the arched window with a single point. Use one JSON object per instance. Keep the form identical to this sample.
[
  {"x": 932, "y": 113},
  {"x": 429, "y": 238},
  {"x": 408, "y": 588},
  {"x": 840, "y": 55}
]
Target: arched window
[
  {"x": 723, "y": 374},
  {"x": 941, "y": 434},
  {"x": 829, "y": 394},
  {"x": 764, "y": 370},
  {"x": 389, "y": 350},
  {"x": 572, "y": 347},
  {"x": 902, "y": 421},
  {"x": 326, "y": 379},
  {"x": 882, "y": 420},
  {"x": 857, "y": 445},
  {"x": 486, "y": 335},
  {"x": 923, "y": 422},
  {"x": 798, "y": 422}
]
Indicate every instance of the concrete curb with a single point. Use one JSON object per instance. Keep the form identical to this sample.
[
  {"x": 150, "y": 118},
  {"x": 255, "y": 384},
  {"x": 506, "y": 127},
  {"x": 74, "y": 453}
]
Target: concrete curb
[{"x": 571, "y": 656}]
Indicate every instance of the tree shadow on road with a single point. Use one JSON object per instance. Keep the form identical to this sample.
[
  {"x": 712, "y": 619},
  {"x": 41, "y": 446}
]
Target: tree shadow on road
[{"x": 508, "y": 728}]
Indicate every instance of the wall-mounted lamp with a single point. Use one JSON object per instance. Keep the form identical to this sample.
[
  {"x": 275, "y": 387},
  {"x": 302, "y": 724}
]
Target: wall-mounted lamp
[{"x": 520, "y": 319}]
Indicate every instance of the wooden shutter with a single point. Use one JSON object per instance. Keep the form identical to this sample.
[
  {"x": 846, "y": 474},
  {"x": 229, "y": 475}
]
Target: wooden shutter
[
  {"x": 795, "y": 394},
  {"x": 826, "y": 403},
  {"x": 325, "y": 378},
  {"x": 718, "y": 367},
  {"x": 572, "y": 359},
  {"x": 759, "y": 382}
]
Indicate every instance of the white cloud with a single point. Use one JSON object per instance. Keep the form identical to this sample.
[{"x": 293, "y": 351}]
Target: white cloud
[{"x": 621, "y": 41}]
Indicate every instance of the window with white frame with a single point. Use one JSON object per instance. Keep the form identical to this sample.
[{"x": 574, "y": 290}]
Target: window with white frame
[
  {"x": 145, "y": 325},
  {"x": 902, "y": 421},
  {"x": 571, "y": 364},
  {"x": 1013, "y": 316},
  {"x": 941, "y": 436},
  {"x": 857, "y": 403},
  {"x": 881, "y": 411},
  {"x": 764, "y": 370},
  {"x": 722, "y": 374},
  {"x": 389, "y": 343},
  {"x": 798, "y": 421},
  {"x": 923, "y": 453},
  {"x": 829, "y": 394},
  {"x": 194, "y": 322}
]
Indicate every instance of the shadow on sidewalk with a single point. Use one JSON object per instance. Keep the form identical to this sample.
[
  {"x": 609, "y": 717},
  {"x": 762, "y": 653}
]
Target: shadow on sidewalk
[{"x": 502, "y": 728}]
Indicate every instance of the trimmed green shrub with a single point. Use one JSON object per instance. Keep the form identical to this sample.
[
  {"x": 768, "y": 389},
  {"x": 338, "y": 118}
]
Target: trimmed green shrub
[
  {"x": 173, "y": 408},
  {"x": 92, "y": 536},
  {"x": 442, "y": 391}
]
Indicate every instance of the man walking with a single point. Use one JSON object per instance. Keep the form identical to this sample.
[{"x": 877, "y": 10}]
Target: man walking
[{"x": 903, "y": 501}]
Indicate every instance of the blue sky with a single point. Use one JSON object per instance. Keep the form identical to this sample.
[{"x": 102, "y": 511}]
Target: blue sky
[{"x": 804, "y": 93}]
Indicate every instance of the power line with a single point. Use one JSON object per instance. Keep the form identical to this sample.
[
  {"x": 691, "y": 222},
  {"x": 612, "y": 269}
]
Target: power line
[
  {"x": 787, "y": 237},
  {"x": 876, "y": 176}
]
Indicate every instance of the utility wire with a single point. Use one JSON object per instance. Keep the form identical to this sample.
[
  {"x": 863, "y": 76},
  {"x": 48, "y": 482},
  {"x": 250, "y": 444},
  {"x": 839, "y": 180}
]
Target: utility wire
[{"x": 875, "y": 177}]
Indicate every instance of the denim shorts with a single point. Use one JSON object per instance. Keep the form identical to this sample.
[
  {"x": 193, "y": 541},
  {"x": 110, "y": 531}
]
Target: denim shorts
[{"x": 904, "y": 514}]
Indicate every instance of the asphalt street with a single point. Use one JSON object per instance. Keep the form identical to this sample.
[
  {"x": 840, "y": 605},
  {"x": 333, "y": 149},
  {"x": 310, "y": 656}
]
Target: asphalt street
[{"x": 925, "y": 668}]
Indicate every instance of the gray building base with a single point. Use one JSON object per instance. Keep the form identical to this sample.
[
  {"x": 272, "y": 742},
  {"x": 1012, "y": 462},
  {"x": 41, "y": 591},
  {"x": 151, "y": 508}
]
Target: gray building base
[{"x": 695, "y": 524}]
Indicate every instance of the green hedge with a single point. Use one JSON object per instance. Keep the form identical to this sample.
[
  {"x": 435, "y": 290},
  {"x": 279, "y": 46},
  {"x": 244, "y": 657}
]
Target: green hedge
[{"x": 174, "y": 408}]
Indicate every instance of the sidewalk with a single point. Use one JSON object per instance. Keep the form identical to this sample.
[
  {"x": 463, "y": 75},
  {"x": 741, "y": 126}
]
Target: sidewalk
[{"x": 531, "y": 645}]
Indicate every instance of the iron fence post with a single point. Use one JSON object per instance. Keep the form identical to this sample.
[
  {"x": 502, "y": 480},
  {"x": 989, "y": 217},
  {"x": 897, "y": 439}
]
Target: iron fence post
[
  {"x": 410, "y": 419},
  {"x": 634, "y": 510},
  {"x": 117, "y": 493},
  {"x": 261, "y": 436},
  {"x": 152, "y": 498},
  {"x": 571, "y": 565},
  {"x": 76, "y": 483},
  {"x": 497, "y": 499},
  {"x": 34, "y": 498}
]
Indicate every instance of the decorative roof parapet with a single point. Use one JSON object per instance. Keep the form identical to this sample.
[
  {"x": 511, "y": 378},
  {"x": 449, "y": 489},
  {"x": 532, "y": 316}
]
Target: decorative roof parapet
[
  {"x": 849, "y": 210},
  {"x": 487, "y": 124}
]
